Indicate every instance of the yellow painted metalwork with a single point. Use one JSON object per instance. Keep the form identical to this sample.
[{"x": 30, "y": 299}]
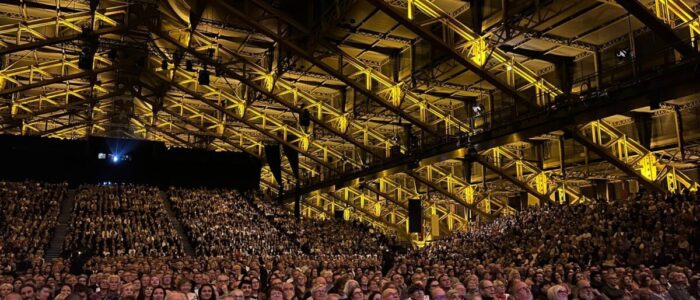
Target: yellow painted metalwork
[
  {"x": 541, "y": 183},
  {"x": 648, "y": 165},
  {"x": 669, "y": 10},
  {"x": 63, "y": 23},
  {"x": 530, "y": 174},
  {"x": 230, "y": 100},
  {"x": 479, "y": 51},
  {"x": 633, "y": 154},
  {"x": 469, "y": 194},
  {"x": 281, "y": 87}
]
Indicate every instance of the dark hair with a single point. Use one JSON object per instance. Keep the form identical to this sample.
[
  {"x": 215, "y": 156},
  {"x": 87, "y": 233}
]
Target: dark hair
[
  {"x": 245, "y": 281},
  {"x": 213, "y": 291},
  {"x": 275, "y": 288},
  {"x": 428, "y": 283},
  {"x": 154, "y": 291},
  {"x": 372, "y": 294},
  {"x": 414, "y": 288},
  {"x": 27, "y": 285}
]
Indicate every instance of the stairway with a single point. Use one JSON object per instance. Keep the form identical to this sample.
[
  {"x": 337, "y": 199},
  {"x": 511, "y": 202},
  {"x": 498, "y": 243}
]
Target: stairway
[
  {"x": 176, "y": 223},
  {"x": 55, "y": 247}
]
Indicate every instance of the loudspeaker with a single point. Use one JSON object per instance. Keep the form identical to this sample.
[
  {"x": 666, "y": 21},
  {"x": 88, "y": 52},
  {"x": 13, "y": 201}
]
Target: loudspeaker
[
  {"x": 415, "y": 215},
  {"x": 338, "y": 215},
  {"x": 395, "y": 151}
]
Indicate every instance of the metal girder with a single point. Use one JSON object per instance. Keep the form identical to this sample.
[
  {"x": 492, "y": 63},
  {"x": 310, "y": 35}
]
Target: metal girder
[
  {"x": 70, "y": 98},
  {"x": 24, "y": 77},
  {"x": 270, "y": 82},
  {"x": 476, "y": 49},
  {"x": 62, "y": 131},
  {"x": 676, "y": 81},
  {"x": 529, "y": 176},
  {"x": 143, "y": 128},
  {"x": 229, "y": 104},
  {"x": 393, "y": 216},
  {"x": 458, "y": 190},
  {"x": 391, "y": 95},
  {"x": 284, "y": 92},
  {"x": 662, "y": 30},
  {"x": 632, "y": 158},
  {"x": 65, "y": 27},
  {"x": 213, "y": 125},
  {"x": 668, "y": 10}
]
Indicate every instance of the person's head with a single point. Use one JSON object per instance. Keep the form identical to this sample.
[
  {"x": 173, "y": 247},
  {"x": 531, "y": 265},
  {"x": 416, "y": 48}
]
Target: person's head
[
  {"x": 356, "y": 294},
  {"x": 128, "y": 290},
  {"x": 247, "y": 287},
  {"x": 397, "y": 279},
  {"x": 275, "y": 293},
  {"x": 415, "y": 292},
  {"x": 66, "y": 289},
  {"x": 184, "y": 285},
  {"x": 318, "y": 292},
  {"x": 114, "y": 283},
  {"x": 521, "y": 290},
  {"x": 288, "y": 289},
  {"x": 237, "y": 294},
  {"x": 657, "y": 287},
  {"x": 155, "y": 281},
  {"x": 390, "y": 294},
  {"x": 611, "y": 279},
  {"x": 349, "y": 286},
  {"x": 176, "y": 295},
  {"x": 437, "y": 294},
  {"x": 472, "y": 283},
  {"x": 13, "y": 296},
  {"x": 375, "y": 296},
  {"x": 255, "y": 283},
  {"x": 558, "y": 292},
  {"x": 453, "y": 295},
  {"x": 584, "y": 290},
  {"x": 486, "y": 289},
  {"x": 206, "y": 292},
  {"x": 27, "y": 292},
  {"x": 147, "y": 291},
  {"x": 445, "y": 281},
  {"x": 158, "y": 293},
  {"x": 44, "y": 293},
  {"x": 499, "y": 288},
  {"x": 5, "y": 289}
]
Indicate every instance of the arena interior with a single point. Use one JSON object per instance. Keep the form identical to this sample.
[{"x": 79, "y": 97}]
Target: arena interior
[{"x": 349, "y": 149}]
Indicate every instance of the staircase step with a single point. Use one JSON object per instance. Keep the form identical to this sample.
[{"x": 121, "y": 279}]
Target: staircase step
[
  {"x": 55, "y": 248},
  {"x": 176, "y": 223}
]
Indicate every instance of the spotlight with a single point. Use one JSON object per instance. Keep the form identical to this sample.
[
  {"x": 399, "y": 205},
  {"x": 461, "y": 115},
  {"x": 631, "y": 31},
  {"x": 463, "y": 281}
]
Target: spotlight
[
  {"x": 204, "y": 76},
  {"x": 164, "y": 64},
  {"x": 189, "y": 66},
  {"x": 622, "y": 54},
  {"x": 115, "y": 158},
  {"x": 478, "y": 109}
]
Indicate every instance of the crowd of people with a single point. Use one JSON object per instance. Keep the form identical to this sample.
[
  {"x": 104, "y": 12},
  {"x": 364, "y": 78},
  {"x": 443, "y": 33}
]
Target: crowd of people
[
  {"x": 222, "y": 222},
  {"x": 331, "y": 236},
  {"x": 250, "y": 248},
  {"x": 121, "y": 219},
  {"x": 28, "y": 215}
]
